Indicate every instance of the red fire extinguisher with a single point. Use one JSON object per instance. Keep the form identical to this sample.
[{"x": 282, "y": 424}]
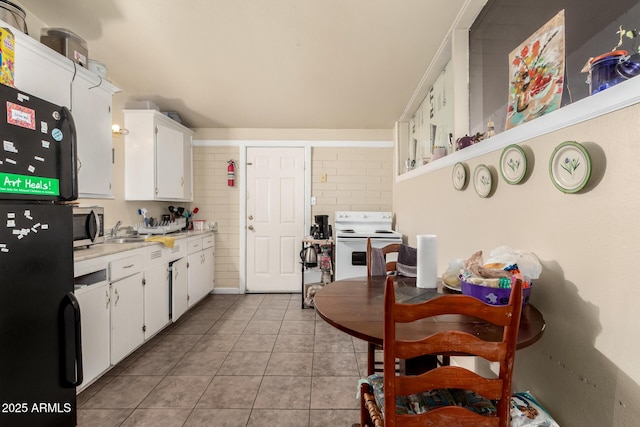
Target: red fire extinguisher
[{"x": 231, "y": 173}]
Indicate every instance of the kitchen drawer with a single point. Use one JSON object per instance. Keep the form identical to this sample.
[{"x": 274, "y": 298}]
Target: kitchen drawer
[
  {"x": 194, "y": 245},
  {"x": 125, "y": 267},
  {"x": 208, "y": 241}
]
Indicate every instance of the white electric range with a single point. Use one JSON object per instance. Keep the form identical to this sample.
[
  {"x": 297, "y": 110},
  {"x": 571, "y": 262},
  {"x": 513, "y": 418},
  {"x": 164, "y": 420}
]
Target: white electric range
[{"x": 351, "y": 231}]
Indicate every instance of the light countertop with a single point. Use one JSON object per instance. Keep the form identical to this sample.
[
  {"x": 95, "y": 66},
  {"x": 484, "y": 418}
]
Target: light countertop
[{"x": 104, "y": 249}]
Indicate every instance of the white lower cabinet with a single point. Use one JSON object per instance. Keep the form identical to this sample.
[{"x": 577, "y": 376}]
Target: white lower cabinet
[
  {"x": 94, "y": 300},
  {"x": 200, "y": 267},
  {"x": 127, "y": 306},
  {"x": 127, "y": 298}
]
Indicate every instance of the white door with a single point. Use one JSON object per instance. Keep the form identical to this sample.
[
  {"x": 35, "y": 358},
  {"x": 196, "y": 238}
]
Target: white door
[{"x": 275, "y": 218}]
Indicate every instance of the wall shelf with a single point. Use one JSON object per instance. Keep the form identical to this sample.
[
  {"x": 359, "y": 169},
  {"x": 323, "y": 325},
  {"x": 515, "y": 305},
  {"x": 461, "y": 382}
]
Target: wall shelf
[{"x": 615, "y": 98}]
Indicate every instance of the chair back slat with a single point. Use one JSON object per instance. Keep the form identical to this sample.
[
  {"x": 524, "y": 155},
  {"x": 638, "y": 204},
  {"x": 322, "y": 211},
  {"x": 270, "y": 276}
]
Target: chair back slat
[
  {"x": 452, "y": 416},
  {"x": 449, "y": 377},
  {"x": 452, "y": 342},
  {"x": 456, "y": 304}
]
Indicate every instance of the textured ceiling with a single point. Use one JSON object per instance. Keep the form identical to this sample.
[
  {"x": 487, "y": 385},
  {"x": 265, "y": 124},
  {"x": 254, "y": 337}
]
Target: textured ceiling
[{"x": 316, "y": 64}]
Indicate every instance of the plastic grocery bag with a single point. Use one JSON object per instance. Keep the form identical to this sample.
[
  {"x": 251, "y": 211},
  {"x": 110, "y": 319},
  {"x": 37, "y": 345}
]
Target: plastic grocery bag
[
  {"x": 527, "y": 262},
  {"x": 452, "y": 273}
]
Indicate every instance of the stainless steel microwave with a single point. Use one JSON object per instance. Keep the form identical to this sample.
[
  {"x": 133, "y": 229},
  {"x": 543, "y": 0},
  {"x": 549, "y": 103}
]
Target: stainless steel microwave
[{"x": 88, "y": 226}]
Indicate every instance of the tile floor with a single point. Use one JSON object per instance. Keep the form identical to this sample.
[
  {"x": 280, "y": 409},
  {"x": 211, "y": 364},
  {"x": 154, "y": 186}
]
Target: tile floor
[{"x": 234, "y": 360}]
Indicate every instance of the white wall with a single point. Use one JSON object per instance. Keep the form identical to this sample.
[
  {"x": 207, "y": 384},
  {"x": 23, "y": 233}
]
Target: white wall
[{"x": 584, "y": 367}]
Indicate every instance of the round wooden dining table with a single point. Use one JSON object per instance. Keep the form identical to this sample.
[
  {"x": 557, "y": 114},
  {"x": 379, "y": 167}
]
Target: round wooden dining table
[{"x": 355, "y": 306}]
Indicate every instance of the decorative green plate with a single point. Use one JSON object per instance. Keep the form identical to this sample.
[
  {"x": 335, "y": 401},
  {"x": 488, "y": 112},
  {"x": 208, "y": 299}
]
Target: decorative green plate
[
  {"x": 459, "y": 176},
  {"x": 482, "y": 180},
  {"x": 570, "y": 167},
  {"x": 513, "y": 164}
]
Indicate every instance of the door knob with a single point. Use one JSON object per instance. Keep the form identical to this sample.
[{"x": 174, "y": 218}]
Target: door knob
[{"x": 250, "y": 227}]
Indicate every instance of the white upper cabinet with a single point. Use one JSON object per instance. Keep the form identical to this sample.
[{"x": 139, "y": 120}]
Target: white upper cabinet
[
  {"x": 92, "y": 114},
  {"x": 44, "y": 73},
  {"x": 158, "y": 162}
]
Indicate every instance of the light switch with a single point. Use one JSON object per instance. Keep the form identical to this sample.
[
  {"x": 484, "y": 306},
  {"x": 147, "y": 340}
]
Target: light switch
[
  {"x": 313, "y": 201},
  {"x": 323, "y": 177}
]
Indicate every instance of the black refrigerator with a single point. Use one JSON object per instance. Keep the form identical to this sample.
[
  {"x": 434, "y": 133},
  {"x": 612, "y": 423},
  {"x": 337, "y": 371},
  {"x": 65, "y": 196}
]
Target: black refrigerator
[{"x": 40, "y": 348}]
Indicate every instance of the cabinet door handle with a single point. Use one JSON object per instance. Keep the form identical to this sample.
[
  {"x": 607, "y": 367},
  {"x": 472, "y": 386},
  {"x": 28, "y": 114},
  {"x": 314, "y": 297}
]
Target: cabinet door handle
[
  {"x": 117, "y": 298},
  {"x": 128, "y": 266},
  {"x": 108, "y": 300}
]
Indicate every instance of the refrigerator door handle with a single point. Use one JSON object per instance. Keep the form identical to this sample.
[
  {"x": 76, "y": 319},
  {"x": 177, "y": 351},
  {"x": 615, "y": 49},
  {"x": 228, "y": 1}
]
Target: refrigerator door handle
[
  {"x": 71, "y": 192},
  {"x": 72, "y": 341}
]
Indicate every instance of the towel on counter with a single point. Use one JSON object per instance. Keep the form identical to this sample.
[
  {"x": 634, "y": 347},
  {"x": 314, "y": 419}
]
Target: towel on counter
[
  {"x": 378, "y": 262},
  {"x": 407, "y": 261},
  {"x": 165, "y": 240}
]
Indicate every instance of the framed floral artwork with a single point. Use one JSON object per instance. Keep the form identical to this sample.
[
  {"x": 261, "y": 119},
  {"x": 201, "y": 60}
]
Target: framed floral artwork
[{"x": 536, "y": 73}]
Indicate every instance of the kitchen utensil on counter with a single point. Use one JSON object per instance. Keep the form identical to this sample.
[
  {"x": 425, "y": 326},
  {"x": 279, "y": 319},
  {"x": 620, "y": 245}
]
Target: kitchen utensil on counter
[
  {"x": 309, "y": 256},
  {"x": 143, "y": 212},
  {"x": 199, "y": 224}
]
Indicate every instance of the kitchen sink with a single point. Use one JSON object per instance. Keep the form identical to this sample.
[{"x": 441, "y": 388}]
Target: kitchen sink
[{"x": 130, "y": 239}]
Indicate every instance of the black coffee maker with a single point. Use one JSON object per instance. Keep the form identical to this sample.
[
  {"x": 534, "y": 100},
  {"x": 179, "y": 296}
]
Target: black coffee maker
[{"x": 321, "y": 229}]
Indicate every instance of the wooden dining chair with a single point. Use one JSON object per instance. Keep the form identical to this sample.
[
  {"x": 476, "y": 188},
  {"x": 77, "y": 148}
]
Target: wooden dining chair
[
  {"x": 374, "y": 365},
  {"x": 391, "y": 248},
  {"x": 445, "y": 379}
]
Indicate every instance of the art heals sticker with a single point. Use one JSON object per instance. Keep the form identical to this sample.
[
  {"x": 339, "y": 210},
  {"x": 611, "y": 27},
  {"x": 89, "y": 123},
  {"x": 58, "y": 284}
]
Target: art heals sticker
[{"x": 21, "y": 116}]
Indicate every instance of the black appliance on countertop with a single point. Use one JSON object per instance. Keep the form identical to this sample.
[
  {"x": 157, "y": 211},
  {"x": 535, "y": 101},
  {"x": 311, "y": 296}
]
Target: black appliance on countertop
[
  {"x": 40, "y": 336},
  {"x": 321, "y": 229}
]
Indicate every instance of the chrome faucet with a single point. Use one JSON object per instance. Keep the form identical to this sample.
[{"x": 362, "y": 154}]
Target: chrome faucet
[{"x": 114, "y": 230}]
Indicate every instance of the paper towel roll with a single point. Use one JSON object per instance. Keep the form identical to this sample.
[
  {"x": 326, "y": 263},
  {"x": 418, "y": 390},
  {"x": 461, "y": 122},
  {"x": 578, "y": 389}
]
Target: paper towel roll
[{"x": 427, "y": 261}]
